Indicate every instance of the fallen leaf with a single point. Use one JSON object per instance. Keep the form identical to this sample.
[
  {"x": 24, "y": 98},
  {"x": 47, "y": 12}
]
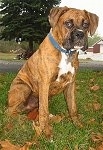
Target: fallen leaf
[
  {"x": 8, "y": 127},
  {"x": 96, "y": 97},
  {"x": 33, "y": 115},
  {"x": 77, "y": 122},
  {"x": 88, "y": 106},
  {"x": 95, "y": 88},
  {"x": 96, "y": 106},
  {"x": 97, "y": 137},
  {"x": 92, "y": 80},
  {"x": 76, "y": 147},
  {"x": 56, "y": 118},
  {"x": 26, "y": 146},
  {"x": 6, "y": 145},
  {"x": 100, "y": 147},
  {"x": 91, "y": 121}
]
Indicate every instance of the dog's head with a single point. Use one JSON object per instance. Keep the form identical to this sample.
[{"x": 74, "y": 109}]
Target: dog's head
[{"x": 71, "y": 26}]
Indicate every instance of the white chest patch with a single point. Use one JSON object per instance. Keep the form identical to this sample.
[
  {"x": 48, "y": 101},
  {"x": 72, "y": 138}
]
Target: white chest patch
[{"x": 65, "y": 66}]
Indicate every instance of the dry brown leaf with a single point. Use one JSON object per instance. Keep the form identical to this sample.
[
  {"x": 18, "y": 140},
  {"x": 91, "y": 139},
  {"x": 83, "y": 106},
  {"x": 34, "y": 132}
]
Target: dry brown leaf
[
  {"x": 96, "y": 106},
  {"x": 91, "y": 121},
  {"x": 92, "y": 80},
  {"x": 26, "y": 146},
  {"x": 77, "y": 122},
  {"x": 95, "y": 88},
  {"x": 33, "y": 115},
  {"x": 76, "y": 147},
  {"x": 6, "y": 145},
  {"x": 100, "y": 147},
  {"x": 88, "y": 106},
  {"x": 96, "y": 96},
  {"x": 8, "y": 126},
  {"x": 97, "y": 137},
  {"x": 56, "y": 118}
]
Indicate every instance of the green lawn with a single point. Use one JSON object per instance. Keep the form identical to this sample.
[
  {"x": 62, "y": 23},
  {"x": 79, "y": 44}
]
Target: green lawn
[
  {"x": 66, "y": 136},
  {"x": 7, "y": 56}
]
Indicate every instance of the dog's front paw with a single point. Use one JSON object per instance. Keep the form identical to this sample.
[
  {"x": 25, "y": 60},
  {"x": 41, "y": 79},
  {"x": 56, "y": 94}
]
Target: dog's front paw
[
  {"x": 37, "y": 128},
  {"x": 48, "y": 131}
]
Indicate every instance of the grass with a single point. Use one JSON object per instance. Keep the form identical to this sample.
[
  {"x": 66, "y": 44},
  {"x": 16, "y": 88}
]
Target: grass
[
  {"x": 66, "y": 136},
  {"x": 7, "y": 56}
]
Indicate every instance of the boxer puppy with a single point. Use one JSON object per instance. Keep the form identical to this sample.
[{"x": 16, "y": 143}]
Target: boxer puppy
[{"x": 52, "y": 68}]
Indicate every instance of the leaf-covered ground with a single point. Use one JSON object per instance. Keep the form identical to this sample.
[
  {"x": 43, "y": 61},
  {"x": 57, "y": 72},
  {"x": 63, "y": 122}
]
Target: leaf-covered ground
[{"x": 19, "y": 131}]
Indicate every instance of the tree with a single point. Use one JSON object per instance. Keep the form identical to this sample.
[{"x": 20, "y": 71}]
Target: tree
[
  {"x": 93, "y": 40},
  {"x": 25, "y": 19}
]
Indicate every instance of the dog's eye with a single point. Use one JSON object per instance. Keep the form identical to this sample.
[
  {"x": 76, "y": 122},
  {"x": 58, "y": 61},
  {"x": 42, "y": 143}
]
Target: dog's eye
[
  {"x": 85, "y": 24},
  {"x": 69, "y": 24}
]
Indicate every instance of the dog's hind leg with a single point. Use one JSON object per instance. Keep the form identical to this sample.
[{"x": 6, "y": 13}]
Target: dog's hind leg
[{"x": 18, "y": 93}]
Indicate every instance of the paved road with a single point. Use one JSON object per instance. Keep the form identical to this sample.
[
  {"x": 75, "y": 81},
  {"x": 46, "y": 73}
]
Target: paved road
[
  {"x": 94, "y": 65},
  {"x": 10, "y": 66},
  {"x": 14, "y": 66}
]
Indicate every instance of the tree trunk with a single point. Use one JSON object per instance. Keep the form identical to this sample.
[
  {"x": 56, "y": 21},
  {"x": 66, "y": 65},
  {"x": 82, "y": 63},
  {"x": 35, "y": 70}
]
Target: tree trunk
[
  {"x": 29, "y": 51},
  {"x": 30, "y": 45}
]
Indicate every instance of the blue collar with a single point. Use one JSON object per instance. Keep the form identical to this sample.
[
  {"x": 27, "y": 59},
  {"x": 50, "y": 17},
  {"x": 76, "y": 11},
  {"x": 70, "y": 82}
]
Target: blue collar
[{"x": 57, "y": 46}]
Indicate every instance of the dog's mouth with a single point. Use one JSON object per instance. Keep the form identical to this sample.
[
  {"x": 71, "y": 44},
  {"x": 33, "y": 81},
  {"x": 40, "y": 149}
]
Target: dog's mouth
[
  {"x": 78, "y": 47},
  {"x": 73, "y": 46}
]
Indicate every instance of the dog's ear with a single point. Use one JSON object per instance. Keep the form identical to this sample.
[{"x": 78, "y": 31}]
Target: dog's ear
[
  {"x": 55, "y": 13},
  {"x": 93, "y": 22}
]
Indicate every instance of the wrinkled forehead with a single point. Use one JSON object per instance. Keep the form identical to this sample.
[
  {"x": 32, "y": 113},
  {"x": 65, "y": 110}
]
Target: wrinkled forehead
[{"x": 76, "y": 15}]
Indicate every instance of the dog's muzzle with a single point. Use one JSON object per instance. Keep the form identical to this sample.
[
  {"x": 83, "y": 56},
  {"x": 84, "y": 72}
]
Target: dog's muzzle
[{"x": 76, "y": 40}]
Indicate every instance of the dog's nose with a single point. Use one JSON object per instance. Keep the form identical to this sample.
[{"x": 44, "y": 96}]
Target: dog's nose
[{"x": 79, "y": 34}]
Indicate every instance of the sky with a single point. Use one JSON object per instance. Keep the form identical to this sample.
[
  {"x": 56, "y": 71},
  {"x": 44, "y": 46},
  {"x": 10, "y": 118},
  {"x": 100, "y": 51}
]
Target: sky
[{"x": 93, "y": 6}]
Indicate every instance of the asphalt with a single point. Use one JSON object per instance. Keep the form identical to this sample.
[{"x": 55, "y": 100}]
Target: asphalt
[
  {"x": 15, "y": 66},
  {"x": 93, "y": 65},
  {"x": 10, "y": 66}
]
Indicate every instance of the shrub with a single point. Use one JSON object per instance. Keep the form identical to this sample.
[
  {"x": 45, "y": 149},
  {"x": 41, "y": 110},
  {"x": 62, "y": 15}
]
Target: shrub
[{"x": 7, "y": 46}]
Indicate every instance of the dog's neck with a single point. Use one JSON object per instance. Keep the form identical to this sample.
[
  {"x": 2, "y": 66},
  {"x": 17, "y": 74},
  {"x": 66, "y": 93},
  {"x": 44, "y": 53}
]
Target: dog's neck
[{"x": 58, "y": 47}]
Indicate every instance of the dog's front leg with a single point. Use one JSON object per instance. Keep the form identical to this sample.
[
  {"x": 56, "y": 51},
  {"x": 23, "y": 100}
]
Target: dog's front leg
[
  {"x": 69, "y": 94},
  {"x": 43, "y": 125}
]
